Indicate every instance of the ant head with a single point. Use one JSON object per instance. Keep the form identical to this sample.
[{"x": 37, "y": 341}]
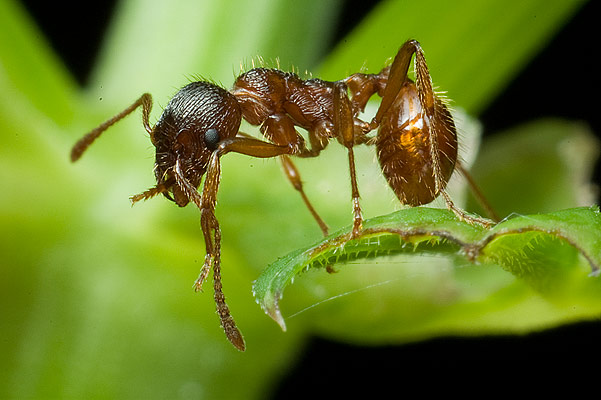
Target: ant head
[
  {"x": 193, "y": 125},
  {"x": 196, "y": 120}
]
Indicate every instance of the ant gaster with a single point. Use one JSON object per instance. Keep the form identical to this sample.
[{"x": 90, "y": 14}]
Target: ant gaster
[{"x": 416, "y": 142}]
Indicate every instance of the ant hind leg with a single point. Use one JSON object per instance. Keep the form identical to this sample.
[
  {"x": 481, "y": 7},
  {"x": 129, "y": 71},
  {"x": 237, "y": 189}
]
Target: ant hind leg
[{"x": 294, "y": 177}]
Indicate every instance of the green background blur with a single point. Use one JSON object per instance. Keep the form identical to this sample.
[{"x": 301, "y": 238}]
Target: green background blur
[{"x": 96, "y": 296}]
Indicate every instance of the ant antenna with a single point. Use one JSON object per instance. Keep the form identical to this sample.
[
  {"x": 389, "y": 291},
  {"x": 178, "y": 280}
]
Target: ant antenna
[{"x": 145, "y": 101}]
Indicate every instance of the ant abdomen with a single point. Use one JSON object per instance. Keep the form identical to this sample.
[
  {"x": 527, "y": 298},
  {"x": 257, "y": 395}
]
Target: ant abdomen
[{"x": 404, "y": 147}]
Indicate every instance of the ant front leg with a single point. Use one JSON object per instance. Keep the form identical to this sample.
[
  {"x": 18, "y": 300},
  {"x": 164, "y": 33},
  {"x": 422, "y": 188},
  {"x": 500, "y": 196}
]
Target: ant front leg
[
  {"x": 345, "y": 130},
  {"x": 209, "y": 224},
  {"x": 192, "y": 194},
  {"x": 212, "y": 235}
]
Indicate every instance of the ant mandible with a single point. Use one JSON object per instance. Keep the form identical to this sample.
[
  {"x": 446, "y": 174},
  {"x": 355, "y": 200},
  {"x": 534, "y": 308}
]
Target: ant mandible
[{"x": 416, "y": 142}]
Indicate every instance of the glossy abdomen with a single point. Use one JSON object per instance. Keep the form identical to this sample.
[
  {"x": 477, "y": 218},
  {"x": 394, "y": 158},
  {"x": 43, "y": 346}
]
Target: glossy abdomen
[{"x": 403, "y": 147}]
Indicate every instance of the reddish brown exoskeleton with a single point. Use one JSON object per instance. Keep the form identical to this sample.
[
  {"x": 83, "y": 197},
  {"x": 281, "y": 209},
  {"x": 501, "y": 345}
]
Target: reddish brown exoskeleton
[{"x": 416, "y": 141}]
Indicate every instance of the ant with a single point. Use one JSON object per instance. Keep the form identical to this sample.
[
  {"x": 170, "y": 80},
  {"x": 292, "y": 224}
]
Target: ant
[{"x": 416, "y": 141}]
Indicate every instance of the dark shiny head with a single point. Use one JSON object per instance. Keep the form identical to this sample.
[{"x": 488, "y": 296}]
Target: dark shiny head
[{"x": 196, "y": 119}]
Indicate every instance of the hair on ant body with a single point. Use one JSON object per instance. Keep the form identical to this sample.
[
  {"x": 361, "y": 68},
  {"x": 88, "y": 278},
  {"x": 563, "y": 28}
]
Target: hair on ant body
[{"x": 416, "y": 142}]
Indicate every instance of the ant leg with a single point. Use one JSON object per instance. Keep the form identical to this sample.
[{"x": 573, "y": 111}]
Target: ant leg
[
  {"x": 145, "y": 101},
  {"x": 435, "y": 113},
  {"x": 207, "y": 202},
  {"x": 478, "y": 193},
  {"x": 280, "y": 130},
  {"x": 159, "y": 188},
  {"x": 209, "y": 224},
  {"x": 196, "y": 198},
  {"x": 345, "y": 131},
  {"x": 294, "y": 178},
  {"x": 212, "y": 236},
  {"x": 397, "y": 75},
  {"x": 462, "y": 215}
]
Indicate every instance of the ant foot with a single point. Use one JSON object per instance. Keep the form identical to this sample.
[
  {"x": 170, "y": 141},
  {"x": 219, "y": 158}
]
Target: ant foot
[
  {"x": 197, "y": 286},
  {"x": 357, "y": 218},
  {"x": 204, "y": 272},
  {"x": 357, "y": 229},
  {"x": 486, "y": 223},
  {"x": 356, "y": 233}
]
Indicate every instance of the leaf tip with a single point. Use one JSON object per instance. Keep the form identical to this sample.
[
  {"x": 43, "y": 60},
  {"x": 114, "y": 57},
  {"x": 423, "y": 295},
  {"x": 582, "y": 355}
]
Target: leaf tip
[
  {"x": 275, "y": 313},
  {"x": 271, "y": 306}
]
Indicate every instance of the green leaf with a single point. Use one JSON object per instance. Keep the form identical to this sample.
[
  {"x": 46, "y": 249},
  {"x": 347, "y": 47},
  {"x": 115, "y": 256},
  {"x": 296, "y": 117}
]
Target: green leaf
[{"x": 542, "y": 249}]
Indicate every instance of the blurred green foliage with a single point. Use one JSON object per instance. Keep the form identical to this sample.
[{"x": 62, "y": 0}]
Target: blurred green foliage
[{"x": 96, "y": 297}]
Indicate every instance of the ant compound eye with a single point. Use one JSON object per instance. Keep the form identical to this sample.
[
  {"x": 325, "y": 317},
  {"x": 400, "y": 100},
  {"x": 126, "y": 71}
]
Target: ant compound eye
[{"x": 212, "y": 138}]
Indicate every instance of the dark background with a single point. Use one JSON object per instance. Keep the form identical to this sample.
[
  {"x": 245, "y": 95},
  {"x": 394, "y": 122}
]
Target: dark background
[{"x": 325, "y": 366}]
